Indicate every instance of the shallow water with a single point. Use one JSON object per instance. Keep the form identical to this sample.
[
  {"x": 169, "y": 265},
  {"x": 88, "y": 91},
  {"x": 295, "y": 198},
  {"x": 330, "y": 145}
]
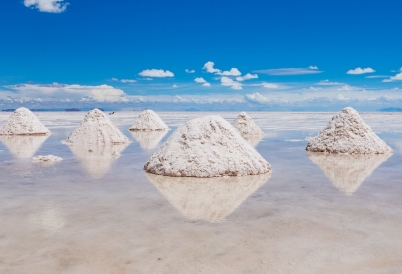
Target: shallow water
[{"x": 98, "y": 212}]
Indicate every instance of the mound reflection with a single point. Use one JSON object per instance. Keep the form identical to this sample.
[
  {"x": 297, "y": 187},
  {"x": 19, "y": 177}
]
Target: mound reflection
[
  {"x": 23, "y": 146},
  {"x": 347, "y": 172},
  {"x": 253, "y": 140},
  {"x": 208, "y": 199},
  {"x": 148, "y": 139}
]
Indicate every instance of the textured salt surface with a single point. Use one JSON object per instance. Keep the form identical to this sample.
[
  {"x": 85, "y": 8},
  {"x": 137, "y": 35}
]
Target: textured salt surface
[
  {"x": 348, "y": 133},
  {"x": 208, "y": 199},
  {"x": 206, "y": 147},
  {"x": 96, "y": 129},
  {"x": 23, "y": 122},
  {"x": 246, "y": 126},
  {"x": 23, "y": 147},
  {"x": 48, "y": 159},
  {"x": 347, "y": 172},
  {"x": 148, "y": 120},
  {"x": 148, "y": 139}
]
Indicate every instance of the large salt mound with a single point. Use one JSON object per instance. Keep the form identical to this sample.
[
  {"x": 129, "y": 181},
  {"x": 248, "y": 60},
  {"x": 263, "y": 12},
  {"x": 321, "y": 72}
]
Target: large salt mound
[
  {"x": 211, "y": 199},
  {"x": 96, "y": 129},
  {"x": 347, "y": 172},
  {"x": 206, "y": 147},
  {"x": 348, "y": 133},
  {"x": 23, "y": 122},
  {"x": 148, "y": 120},
  {"x": 246, "y": 126}
]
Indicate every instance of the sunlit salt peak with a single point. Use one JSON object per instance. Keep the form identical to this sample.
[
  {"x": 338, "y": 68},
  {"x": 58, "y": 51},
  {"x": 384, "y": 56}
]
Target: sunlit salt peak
[
  {"x": 348, "y": 133},
  {"x": 148, "y": 120},
  {"x": 206, "y": 147},
  {"x": 96, "y": 129},
  {"x": 246, "y": 126},
  {"x": 23, "y": 122}
]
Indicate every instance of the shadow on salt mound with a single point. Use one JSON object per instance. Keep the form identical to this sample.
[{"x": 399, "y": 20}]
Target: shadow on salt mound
[
  {"x": 97, "y": 160},
  {"x": 23, "y": 146},
  {"x": 208, "y": 199},
  {"x": 148, "y": 139},
  {"x": 347, "y": 172}
]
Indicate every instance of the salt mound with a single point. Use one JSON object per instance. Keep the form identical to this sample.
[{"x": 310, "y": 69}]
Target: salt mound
[
  {"x": 23, "y": 146},
  {"x": 208, "y": 199},
  {"x": 206, "y": 147},
  {"x": 246, "y": 126},
  {"x": 347, "y": 172},
  {"x": 348, "y": 133},
  {"x": 23, "y": 122},
  {"x": 148, "y": 120},
  {"x": 148, "y": 139},
  {"x": 48, "y": 159},
  {"x": 96, "y": 129}
]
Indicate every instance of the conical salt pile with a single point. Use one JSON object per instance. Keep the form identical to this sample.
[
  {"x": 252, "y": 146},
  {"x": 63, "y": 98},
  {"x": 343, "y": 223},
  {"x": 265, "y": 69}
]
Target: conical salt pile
[
  {"x": 23, "y": 122},
  {"x": 148, "y": 120},
  {"x": 246, "y": 126},
  {"x": 96, "y": 129},
  {"x": 206, "y": 147},
  {"x": 348, "y": 133}
]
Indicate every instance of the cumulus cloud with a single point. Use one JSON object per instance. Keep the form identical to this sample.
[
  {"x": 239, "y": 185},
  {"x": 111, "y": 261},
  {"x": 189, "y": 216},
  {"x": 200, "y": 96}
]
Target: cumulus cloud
[
  {"x": 175, "y": 86},
  {"x": 209, "y": 67},
  {"x": 328, "y": 83},
  {"x": 313, "y": 67},
  {"x": 269, "y": 85},
  {"x": 206, "y": 85},
  {"x": 128, "y": 81},
  {"x": 360, "y": 71},
  {"x": 156, "y": 73},
  {"x": 52, "y": 6},
  {"x": 200, "y": 80},
  {"x": 231, "y": 72},
  {"x": 257, "y": 98},
  {"x": 397, "y": 77},
  {"x": 288, "y": 71},
  {"x": 248, "y": 76},
  {"x": 226, "y": 81},
  {"x": 189, "y": 71}
]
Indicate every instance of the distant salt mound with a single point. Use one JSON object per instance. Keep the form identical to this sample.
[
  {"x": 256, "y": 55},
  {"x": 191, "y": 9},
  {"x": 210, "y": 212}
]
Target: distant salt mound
[
  {"x": 246, "y": 126},
  {"x": 210, "y": 200},
  {"x": 96, "y": 129},
  {"x": 348, "y": 133},
  {"x": 46, "y": 159},
  {"x": 148, "y": 139},
  {"x": 206, "y": 147},
  {"x": 23, "y": 122},
  {"x": 23, "y": 146},
  {"x": 148, "y": 120},
  {"x": 347, "y": 172}
]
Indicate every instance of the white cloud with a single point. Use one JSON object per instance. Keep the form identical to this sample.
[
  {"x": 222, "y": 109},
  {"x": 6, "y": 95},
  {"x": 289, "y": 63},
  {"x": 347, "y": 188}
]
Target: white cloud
[
  {"x": 115, "y": 79},
  {"x": 288, "y": 71},
  {"x": 156, "y": 73},
  {"x": 175, "y": 86},
  {"x": 269, "y": 85},
  {"x": 209, "y": 67},
  {"x": 206, "y": 85},
  {"x": 397, "y": 77},
  {"x": 226, "y": 81},
  {"x": 313, "y": 67},
  {"x": 52, "y": 6},
  {"x": 189, "y": 71},
  {"x": 360, "y": 71},
  {"x": 328, "y": 83},
  {"x": 257, "y": 98},
  {"x": 231, "y": 72},
  {"x": 377, "y": 76},
  {"x": 128, "y": 81},
  {"x": 248, "y": 76},
  {"x": 200, "y": 80}
]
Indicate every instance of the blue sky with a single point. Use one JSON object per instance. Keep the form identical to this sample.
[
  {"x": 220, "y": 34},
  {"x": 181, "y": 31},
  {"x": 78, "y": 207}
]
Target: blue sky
[{"x": 138, "y": 51}]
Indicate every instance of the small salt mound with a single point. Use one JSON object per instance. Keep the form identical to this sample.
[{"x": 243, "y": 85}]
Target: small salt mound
[
  {"x": 148, "y": 120},
  {"x": 148, "y": 139},
  {"x": 348, "y": 133},
  {"x": 23, "y": 146},
  {"x": 206, "y": 147},
  {"x": 246, "y": 126},
  {"x": 208, "y": 199},
  {"x": 347, "y": 172},
  {"x": 96, "y": 129},
  {"x": 23, "y": 122},
  {"x": 48, "y": 159}
]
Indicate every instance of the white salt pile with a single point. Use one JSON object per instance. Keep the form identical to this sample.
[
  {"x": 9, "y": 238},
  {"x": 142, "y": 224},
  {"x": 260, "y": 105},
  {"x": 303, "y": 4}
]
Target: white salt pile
[
  {"x": 348, "y": 133},
  {"x": 23, "y": 122},
  {"x": 211, "y": 199},
  {"x": 206, "y": 147},
  {"x": 246, "y": 126},
  {"x": 148, "y": 120},
  {"x": 96, "y": 129},
  {"x": 347, "y": 172},
  {"x": 23, "y": 146},
  {"x": 47, "y": 159},
  {"x": 148, "y": 139}
]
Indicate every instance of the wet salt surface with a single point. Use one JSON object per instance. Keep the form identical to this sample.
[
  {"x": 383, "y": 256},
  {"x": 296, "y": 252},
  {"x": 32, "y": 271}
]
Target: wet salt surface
[{"x": 103, "y": 214}]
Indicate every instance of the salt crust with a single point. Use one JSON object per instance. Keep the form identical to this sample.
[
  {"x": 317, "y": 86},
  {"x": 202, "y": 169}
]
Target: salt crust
[
  {"x": 246, "y": 126},
  {"x": 46, "y": 159},
  {"x": 96, "y": 129},
  {"x": 348, "y": 133},
  {"x": 206, "y": 147},
  {"x": 347, "y": 172},
  {"x": 148, "y": 139},
  {"x": 23, "y": 146},
  {"x": 148, "y": 120},
  {"x": 23, "y": 122},
  {"x": 208, "y": 199}
]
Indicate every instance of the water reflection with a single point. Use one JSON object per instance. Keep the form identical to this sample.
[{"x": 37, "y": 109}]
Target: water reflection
[
  {"x": 48, "y": 218},
  {"x": 23, "y": 146},
  {"x": 347, "y": 172},
  {"x": 97, "y": 159},
  {"x": 148, "y": 139},
  {"x": 253, "y": 140},
  {"x": 208, "y": 199}
]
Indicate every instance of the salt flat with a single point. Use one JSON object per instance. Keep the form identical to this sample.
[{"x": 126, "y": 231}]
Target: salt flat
[{"x": 98, "y": 212}]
